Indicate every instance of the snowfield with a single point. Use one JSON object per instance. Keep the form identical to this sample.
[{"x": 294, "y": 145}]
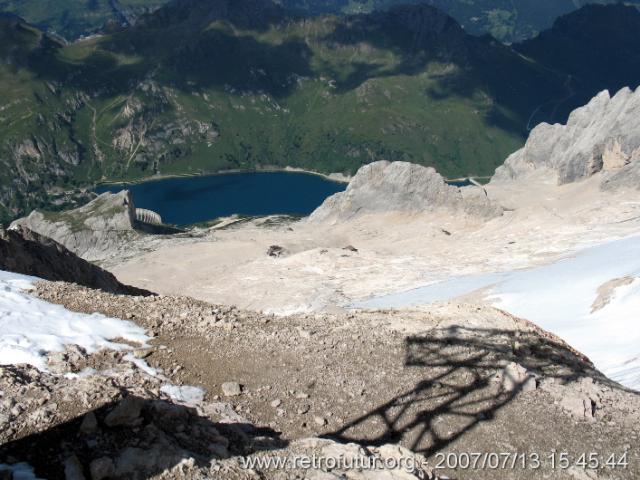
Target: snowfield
[
  {"x": 31, "y": 328},
  {"x": 591, "y": 300}
]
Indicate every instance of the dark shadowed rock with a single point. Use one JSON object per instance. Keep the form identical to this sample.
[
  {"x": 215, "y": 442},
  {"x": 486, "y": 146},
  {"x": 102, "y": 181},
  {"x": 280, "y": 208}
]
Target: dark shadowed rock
[
  {"x": 126, "y": 413},
  {"x": 24, "y": 251}
]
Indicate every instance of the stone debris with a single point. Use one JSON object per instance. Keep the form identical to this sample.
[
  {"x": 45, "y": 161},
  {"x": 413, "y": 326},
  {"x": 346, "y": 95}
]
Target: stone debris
[
  {"x": 231, "y": 389},
  {"x": 320, "y": 421},
  {"x": 354, "y": 371}
]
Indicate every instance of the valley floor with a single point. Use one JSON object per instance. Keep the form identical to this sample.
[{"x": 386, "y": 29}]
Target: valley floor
[{"x": 404, "y": 260}]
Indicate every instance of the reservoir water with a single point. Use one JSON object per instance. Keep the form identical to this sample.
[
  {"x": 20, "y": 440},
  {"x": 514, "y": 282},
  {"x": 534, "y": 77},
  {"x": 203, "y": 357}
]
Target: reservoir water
[{"x": 187, "y": 200}]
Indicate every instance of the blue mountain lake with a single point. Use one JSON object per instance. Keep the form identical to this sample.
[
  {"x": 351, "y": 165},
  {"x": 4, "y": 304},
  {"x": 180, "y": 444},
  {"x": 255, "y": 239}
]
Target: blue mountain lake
[{"x": 187, "y": 200}]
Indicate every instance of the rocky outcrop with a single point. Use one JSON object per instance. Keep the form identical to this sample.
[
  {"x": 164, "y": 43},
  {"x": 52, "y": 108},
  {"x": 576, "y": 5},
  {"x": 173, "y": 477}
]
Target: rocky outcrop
[
  {"x": 626, "y": 177},
  {"x": 603, "y": 136},
  {"x": 404, "y": 187},
  {"x": 89, "y": 231},
  {"x": 27, "y": 252},
  {"x": 128, "y": 427}
]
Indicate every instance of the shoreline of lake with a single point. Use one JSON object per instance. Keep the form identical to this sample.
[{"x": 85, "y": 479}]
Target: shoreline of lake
[{"x": 332, "y": 177}]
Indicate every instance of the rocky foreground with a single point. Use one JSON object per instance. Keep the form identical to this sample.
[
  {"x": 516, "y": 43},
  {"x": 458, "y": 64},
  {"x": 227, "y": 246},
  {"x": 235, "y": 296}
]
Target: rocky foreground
[
  {"x": 452, "y": 379},
  {"x": 457, "y": 389}
]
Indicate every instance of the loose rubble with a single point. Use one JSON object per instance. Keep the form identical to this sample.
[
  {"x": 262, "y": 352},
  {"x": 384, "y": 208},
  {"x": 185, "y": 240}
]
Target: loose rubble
[{"x": 447, "y": 388}]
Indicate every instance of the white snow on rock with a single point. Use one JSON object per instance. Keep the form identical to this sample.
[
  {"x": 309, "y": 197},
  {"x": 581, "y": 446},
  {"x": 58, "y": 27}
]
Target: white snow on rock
[
  {"x": 141, "y": 364},
  {"x": 560, "y": 298},
  {"x": 187, "y": 395},
  {"x": 31, "y": 328}
]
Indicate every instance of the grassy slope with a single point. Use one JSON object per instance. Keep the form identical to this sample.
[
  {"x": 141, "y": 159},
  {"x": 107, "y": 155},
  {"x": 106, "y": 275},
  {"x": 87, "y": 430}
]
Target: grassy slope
[
  {"x": 334, "y": 119},
  {"x": 198, "y": 94},
  {"x": 74, "y": 18},
  {"x": 505, "y": 20}
]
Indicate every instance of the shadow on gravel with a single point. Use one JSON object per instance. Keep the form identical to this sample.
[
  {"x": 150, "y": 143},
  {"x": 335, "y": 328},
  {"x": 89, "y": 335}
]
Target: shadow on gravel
[
  {"x": 134, "y": 438},
  {"x": 464, "y": 384}
]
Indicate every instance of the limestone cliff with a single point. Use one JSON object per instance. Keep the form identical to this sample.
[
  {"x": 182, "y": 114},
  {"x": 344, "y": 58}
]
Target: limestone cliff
[
  {"x": 91, "y": 230},
  {"x": 603, "y": 136},
  {"x": 404, "y": 187}
]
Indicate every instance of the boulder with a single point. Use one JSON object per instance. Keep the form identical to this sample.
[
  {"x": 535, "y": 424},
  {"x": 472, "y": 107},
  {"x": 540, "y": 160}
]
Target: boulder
[
  {"x": 73, "y": 469},
  {"x": 89, "y": 424},
  {"x": 231, "y": 389},
  {"x": 275, "y": 251}
]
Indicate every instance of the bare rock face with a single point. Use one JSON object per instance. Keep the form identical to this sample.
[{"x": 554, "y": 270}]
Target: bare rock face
[
  {"x": 91, "y": 230},
  {"x": 627, "y": 177},
  {"x": 404, "y": 187},
  {"x": 24, "y": 251},
  {"x": 603, "y": 136}
]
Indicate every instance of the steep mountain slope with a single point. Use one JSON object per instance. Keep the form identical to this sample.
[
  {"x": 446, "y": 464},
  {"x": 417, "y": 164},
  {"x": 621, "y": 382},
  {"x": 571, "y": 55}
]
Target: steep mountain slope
[
  {"x": 601, "y": 137},
  {"x": 506, "y": 20},
  {"x": 188, "y": 92},
  {"x": 154, "y": 407},
  {"x": 202, "y": 86},
  {"x": 39, "y": 143},
  {"x": 597, "y": 47},
  {"x": 72, "y": 19}
]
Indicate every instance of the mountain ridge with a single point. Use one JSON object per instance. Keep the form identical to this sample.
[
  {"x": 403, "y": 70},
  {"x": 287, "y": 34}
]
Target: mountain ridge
[
  {"x": 328, "y": 94},
  {"x": 509, "y": 21},
  {"x": 598, "y": 137}
]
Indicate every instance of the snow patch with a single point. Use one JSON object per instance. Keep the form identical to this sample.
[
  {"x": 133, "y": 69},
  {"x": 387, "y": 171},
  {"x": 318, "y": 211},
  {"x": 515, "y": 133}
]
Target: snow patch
[
  {"x": 187, "y": 395},
  {"x": 31, "y": 328},
  {"x": 559, "y": 298},
  {"x": 141, "y": 364},
  {"x": 87, "y": 372}
]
